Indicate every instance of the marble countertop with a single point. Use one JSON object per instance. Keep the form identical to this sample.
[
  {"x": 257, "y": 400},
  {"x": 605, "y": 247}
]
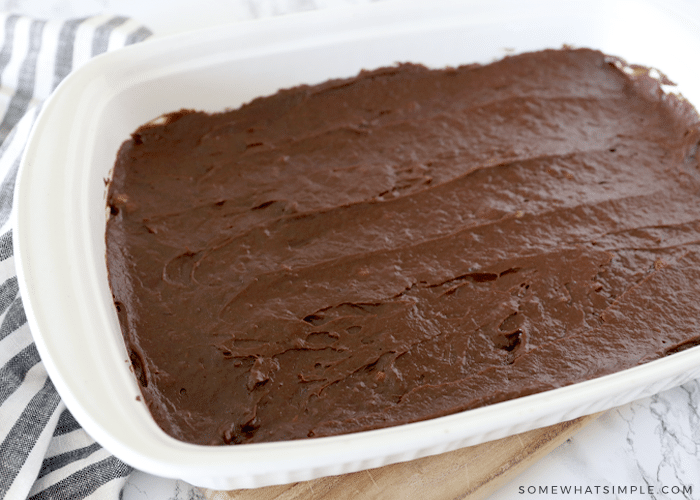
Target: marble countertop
[{"x": 651, "y": 443}]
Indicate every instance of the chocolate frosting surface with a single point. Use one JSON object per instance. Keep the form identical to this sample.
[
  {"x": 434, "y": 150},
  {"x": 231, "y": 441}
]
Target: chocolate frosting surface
[{"x": 405, "y": 244}]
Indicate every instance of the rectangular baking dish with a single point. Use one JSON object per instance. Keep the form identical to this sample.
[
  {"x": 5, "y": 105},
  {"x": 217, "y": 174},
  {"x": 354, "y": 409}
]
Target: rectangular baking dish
[{"x": 61, "y": 212}]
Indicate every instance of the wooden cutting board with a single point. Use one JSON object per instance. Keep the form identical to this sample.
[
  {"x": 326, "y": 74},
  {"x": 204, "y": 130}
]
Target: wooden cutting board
[{"x": 470, "y": 473}]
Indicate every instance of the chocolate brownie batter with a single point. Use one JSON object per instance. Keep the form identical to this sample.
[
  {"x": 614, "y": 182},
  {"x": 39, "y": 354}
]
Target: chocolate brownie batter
[{"x": 404, "y": 244}]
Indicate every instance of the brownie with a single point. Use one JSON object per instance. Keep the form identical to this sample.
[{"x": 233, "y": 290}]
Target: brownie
[{"x": 405, "y": 244}]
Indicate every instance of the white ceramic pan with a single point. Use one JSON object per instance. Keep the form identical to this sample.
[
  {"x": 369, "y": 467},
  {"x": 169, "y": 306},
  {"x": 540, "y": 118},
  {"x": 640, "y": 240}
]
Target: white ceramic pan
[{"x": 60, "y": 207}]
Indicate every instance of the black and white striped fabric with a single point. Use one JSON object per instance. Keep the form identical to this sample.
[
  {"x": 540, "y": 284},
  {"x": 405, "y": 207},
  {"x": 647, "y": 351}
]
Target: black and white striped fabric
[{"x": 44, "y": 453}]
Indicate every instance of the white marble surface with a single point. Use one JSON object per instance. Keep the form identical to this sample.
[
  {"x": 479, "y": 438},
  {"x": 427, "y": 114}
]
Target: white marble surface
[{"x": 652, "y": 443}]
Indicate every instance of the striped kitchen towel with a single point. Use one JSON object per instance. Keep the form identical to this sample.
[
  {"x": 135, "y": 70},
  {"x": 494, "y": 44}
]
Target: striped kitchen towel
[{"x": 44, "y": 453}]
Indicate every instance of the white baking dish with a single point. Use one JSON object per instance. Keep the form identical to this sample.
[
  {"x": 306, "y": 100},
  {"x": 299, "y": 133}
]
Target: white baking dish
[{"x": 60, "y": 208}]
